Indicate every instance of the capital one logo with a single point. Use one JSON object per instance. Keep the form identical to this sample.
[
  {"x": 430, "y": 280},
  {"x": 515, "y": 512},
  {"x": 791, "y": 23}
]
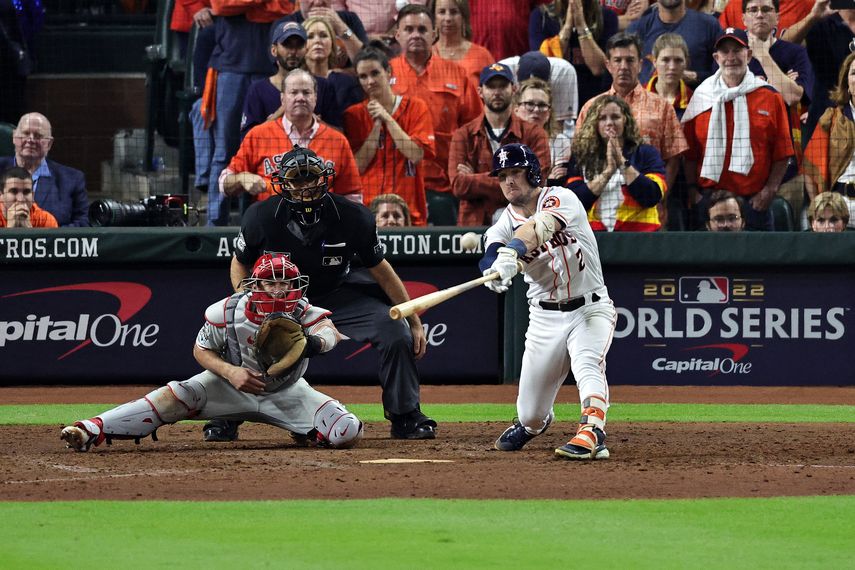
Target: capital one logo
[{"x": 108, "y": 329}]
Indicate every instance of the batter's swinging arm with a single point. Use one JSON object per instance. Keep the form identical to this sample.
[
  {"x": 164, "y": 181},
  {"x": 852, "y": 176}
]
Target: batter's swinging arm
[{"x": 404, "y": 310}]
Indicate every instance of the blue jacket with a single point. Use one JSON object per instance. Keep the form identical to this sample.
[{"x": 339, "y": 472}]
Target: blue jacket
[{"x": 63, "y": 193}]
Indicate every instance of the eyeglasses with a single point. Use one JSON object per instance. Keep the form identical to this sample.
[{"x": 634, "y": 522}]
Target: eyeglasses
[
  {"x": 38, "y": 137},
  {"x": 532, "y": 106},
  {"x": 724, "y": 220},
  {"x": 754, "y": 10}
]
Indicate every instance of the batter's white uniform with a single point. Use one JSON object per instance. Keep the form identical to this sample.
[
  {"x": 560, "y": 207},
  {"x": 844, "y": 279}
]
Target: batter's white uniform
[
  {"x": 289, "y": 403},
  {"x": 563, "y": 270}
]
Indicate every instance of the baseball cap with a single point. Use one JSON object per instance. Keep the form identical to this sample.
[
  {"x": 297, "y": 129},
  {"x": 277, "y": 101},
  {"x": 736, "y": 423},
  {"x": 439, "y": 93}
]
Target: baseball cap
[
  {"x": 735, "y": 34},
  {"x": 285, "y": 30},
  {"x": 496, "y": 70},
  {"x": 533, "y": 64}
]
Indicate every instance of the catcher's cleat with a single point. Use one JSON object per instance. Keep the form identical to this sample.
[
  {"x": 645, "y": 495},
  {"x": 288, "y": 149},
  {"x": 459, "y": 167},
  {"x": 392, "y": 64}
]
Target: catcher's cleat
[
  {"x": 80, "y": 436},
  {"x": 221, "y": 430},
  {"x": 311, "y": 439},
  {"x": 588, "y": 443},
  {"x": 414, "y": 425},
  {"x": 515, "y": 437}
]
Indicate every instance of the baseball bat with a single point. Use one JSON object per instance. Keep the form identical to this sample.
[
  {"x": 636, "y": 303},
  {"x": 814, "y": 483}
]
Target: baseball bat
[{"x": 407, "y": 308}]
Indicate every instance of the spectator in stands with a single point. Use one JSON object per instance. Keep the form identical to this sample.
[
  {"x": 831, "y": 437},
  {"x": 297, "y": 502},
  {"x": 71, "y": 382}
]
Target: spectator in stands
[
  {"x": 239, "y": 58},
  {"x": 655, "y": 116},
  {"x": 533, "y": 103},
  {"x": 738, "y": 134},
  {"x": 829, "y": 163},
  {"x": 786, "y": 67},
  {"x": 185, "y": 13},
  {"x": 670, "y": 61},
  {"x": 725, "y": 212},
  {"x": 577, "y": 31},
  {"x": 792, "y": 12},
  {"x": 828, "y": 45},
  {"x": 699, "y": 30},
  {"x": 560, "y": 76},
  {"x": 377, "y": 16},
  {"x": 390, "y": 211},
  {"x": 347, "y": 26},
  {"x": 203, "y": 136},
  {"x": 473, "y": 145},
  {"x": 451, "y": 98},
  {"x": 628, "y": 11},
  {"x": 20, "y": 20},
  {"x": 58, "y": 189},
  {"x": 320, "y": 61},
  {"x": 828, "y": 213},
  {"x": 455, "y": 33},
  {"x": 389, "y": 135},
  {"x": 17, "y": 209},
  {"x": 619, "y": 179},
  {"x": 263, "y": 147},
  {"x": 264, "y": 97},
  {"x": 498, "y": 25}
]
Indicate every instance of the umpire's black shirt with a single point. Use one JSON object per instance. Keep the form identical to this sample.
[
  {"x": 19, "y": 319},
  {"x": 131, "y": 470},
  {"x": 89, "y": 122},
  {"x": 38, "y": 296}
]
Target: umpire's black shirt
[{"x": 323, "y": 251}]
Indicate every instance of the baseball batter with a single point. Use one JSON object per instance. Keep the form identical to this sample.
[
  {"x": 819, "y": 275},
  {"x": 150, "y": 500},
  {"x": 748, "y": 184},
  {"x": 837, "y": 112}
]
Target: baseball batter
[
  {"x": 233, "y": 384},
  {"x": 571, "y": 318}
]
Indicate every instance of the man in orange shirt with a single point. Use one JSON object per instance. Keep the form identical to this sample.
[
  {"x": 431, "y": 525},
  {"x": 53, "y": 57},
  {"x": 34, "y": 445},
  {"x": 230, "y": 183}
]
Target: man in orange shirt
[
  {"x": 390, "y": 135},
  {"x": 262, "y": 149},
  {"x": 748, "y": 156},
  {"x": 18, "y": 210},
  {"x": 443, "y": 85}
]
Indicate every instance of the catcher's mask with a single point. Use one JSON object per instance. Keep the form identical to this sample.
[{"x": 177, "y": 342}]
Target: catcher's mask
[
  {"x": 303, "y": 180},
  {"x": 275, "y": 285}
]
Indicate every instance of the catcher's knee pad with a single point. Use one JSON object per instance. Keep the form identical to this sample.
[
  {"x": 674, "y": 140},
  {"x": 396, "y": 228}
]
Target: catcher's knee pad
[
  {"x": 339, "y": 427},
  {"x": 177, "y": 400}
]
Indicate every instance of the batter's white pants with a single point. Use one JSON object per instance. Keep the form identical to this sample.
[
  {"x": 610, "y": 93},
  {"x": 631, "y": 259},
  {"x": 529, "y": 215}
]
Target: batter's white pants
[{"x": 557, "y": 342}]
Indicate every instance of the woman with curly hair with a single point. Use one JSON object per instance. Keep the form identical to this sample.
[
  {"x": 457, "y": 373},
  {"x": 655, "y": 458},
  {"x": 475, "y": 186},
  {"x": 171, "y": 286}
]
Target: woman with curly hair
[
  {"x": 619, "y": 179},
  {"x": 829, "y": 161}
]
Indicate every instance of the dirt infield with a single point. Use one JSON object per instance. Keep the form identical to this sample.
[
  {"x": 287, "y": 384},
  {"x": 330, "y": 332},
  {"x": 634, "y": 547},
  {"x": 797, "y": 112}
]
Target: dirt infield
[{"x": 648, "y": 460}]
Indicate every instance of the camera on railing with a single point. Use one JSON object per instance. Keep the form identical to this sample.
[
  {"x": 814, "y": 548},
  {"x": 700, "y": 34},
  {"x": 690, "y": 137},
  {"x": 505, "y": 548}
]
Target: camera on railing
[{"x": 170, "y": 210}]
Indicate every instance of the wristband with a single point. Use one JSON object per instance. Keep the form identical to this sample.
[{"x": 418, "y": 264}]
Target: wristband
[{"x": 518, "y": 246}]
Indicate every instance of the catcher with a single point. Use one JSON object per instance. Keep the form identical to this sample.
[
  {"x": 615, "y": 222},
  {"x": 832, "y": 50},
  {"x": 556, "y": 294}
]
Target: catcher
[{"x": 255, "y": 347}]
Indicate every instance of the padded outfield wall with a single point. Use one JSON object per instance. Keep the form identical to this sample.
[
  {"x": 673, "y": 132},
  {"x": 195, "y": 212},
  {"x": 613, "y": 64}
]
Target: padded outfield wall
[{"x": 123, "y": 305}]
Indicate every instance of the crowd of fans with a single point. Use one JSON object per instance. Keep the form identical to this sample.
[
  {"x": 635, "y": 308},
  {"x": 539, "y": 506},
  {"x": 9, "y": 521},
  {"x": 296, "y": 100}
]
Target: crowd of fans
[{"x": 671, "y": 115}]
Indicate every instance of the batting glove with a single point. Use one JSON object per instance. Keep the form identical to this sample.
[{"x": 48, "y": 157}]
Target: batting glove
[
  {"x": 506, "y": 265},
  {"x": 495, "y": 286}
]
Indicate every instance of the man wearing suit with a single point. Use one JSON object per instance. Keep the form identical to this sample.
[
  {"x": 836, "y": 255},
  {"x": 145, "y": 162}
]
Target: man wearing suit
[{"x": 60, "y": 190}]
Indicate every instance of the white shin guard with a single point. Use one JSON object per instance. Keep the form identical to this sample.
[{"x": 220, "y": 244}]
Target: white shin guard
[
  {"x": 339, "y": 427},
  {"x": 166, "y": 405}
]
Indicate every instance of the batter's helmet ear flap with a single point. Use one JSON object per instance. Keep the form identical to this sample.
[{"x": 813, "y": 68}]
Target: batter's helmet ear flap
[{"x": 518, "y": 155}]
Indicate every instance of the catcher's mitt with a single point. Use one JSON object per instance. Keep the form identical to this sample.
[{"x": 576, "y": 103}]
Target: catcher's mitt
[{"x": 280, "y": 344}]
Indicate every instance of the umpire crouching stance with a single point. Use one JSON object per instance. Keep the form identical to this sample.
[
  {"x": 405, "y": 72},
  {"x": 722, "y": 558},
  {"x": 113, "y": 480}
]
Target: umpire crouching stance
[{"x": 321, "y": 232}]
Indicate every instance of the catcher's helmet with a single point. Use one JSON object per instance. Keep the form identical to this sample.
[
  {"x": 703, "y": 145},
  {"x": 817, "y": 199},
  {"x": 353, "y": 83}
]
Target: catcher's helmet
[
  {"x": 275, "y": 285},
  {"x": 303, "y": 180},
  {"x": 517, "y": 155}
]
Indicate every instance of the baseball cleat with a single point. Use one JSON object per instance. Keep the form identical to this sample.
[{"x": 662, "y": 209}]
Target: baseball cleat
[
  {"x": 79, "y": 438},
  {"x": 588, "y": 443},
  {"x": 414, "y": 425},
  {"x": 515, "y": 437}
]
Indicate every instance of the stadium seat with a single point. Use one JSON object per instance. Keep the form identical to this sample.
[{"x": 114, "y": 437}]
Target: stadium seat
[
  {"x": 6, "y": 146},
  {"x": 442, "y": 208},
  {"x": 782, "y": 213},
  {"x": 159, "y": 57}
]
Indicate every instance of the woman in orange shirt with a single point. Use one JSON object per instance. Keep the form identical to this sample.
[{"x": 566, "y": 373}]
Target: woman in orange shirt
[
  {"x": 453, "y": 44},
  {"x": 390, "y": 135}
]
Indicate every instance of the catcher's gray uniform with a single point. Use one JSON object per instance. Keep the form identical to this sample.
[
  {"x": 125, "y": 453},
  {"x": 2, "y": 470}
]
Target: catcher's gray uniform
[{"x": 288, "y": 402}]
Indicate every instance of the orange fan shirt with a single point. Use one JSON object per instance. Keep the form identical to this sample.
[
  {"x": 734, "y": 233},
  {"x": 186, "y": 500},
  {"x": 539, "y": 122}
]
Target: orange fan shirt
[
  {"x": 264, "y": 146},
  {"x": 390, "y": 171},
  {"x": 38, "y": 218}
]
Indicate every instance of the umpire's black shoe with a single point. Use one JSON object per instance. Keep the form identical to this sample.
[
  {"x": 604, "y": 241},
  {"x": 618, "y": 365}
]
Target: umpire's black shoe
[
  {"x": 414, "y": 425},
  {"x": 221, "y": 430}
]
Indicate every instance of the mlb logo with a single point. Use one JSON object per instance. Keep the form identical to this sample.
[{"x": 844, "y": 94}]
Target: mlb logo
[
  {"x": 704, "y": 290},
  {"x": 332, "y": 260}
]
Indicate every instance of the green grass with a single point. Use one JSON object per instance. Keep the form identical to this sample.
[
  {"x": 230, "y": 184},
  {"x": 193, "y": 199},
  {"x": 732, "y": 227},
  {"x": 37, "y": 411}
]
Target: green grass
[
  {"x": 804, "y": 532},
  {"x": 64, "y": 413}
]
